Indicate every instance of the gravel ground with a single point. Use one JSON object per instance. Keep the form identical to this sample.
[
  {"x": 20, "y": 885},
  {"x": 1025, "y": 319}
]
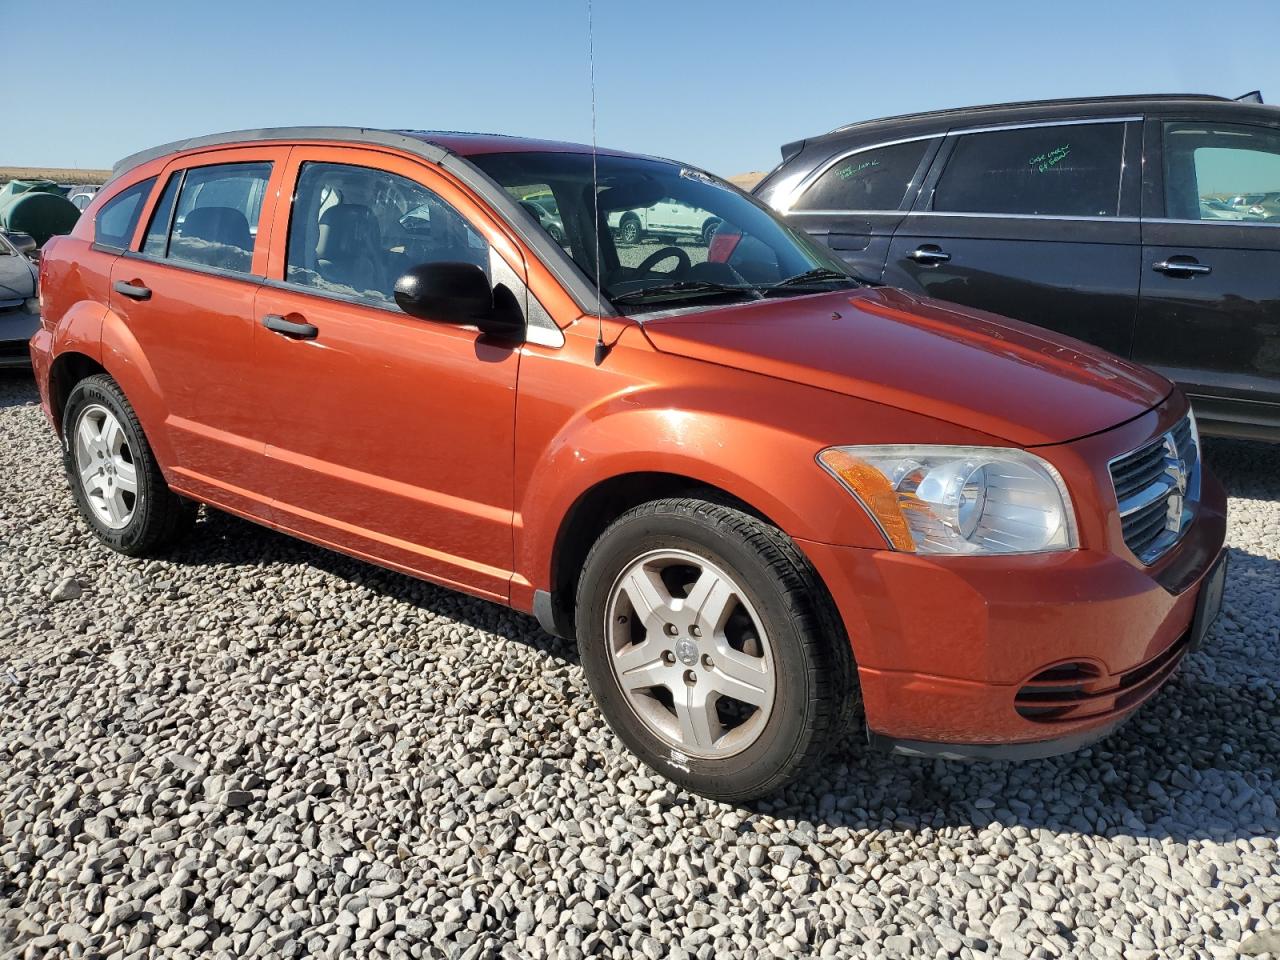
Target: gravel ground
[{"x": 257, "y": 748}]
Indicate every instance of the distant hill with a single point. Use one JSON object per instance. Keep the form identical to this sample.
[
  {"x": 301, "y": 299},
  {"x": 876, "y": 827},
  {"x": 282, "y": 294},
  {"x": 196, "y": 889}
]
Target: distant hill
[{"x": 60, "y": 174}]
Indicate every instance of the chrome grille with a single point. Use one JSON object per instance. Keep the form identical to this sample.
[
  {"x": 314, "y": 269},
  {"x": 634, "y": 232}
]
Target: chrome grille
[{"x": 1157, "y": 488}]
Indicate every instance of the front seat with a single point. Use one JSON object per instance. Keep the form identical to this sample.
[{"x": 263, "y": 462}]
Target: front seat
[
  {"x": 215, "y": 236},
  {"x": 347, "y": 249}
]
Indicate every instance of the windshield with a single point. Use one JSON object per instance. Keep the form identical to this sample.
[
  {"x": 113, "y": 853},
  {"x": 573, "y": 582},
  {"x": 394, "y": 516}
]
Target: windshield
[{"x": 668, "y": 235}]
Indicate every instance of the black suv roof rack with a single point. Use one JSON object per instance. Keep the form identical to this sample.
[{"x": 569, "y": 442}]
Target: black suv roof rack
[{"x": 1064, "y": 101}]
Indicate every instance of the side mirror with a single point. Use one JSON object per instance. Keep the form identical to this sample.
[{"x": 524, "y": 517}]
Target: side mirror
[
  {"x": 24, "y": 243},
  {"x": 460, "y": 293}
]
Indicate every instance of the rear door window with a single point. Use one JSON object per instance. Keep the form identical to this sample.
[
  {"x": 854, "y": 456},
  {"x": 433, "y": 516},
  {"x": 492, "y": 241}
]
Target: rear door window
[
  {"x": 216, "y": 219},
  {"x": 118, "y": 217},
  {"x": 875, "y": 179},
  {"x": 1064, "y": 170}
]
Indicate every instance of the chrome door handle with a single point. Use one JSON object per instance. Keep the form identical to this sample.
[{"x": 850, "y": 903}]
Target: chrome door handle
[
  {"x": 929, "y": 255},
  {"x": 1187, "y": 268}
]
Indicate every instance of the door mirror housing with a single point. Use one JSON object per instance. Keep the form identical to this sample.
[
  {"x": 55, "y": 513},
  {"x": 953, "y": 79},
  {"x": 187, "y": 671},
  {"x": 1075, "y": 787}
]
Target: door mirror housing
[{"x": 451, "y": 292}]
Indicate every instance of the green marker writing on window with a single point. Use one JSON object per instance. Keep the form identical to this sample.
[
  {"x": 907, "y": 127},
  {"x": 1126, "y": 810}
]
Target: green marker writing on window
[
  {"x": 1050, "y": 158},
  {"x": 852, "y": 170}
]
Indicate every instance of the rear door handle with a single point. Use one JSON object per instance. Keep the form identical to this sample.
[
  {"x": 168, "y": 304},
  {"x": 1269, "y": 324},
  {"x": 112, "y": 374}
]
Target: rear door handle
[
  {"x": 134, "y": 291},
  {"x": 295, "y": 331},
  {"x": 1181, "y": 268},
  {"x": 929, "y": 254}
]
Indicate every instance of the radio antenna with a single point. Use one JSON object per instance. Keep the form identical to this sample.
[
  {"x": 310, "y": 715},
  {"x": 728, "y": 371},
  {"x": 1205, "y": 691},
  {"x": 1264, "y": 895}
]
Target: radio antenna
[{"x": 602, "y": 350}]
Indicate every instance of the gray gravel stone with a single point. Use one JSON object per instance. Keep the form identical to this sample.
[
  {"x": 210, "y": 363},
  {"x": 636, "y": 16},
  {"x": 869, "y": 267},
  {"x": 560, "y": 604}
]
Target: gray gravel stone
[{"x": 254, "y": 748}]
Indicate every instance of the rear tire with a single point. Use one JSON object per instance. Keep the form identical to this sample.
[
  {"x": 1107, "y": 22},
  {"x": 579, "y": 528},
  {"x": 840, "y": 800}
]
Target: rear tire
[
  {"x": 113, "y": 473},
  {"x": 683, "y": 607}
]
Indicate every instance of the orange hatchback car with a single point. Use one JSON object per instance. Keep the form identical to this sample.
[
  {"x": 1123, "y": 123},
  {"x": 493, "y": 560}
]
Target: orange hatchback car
[{"x": 758, "y": 491}]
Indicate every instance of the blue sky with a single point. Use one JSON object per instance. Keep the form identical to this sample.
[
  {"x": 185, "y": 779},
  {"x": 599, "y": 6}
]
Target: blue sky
[{"x": 717, "y": 84}]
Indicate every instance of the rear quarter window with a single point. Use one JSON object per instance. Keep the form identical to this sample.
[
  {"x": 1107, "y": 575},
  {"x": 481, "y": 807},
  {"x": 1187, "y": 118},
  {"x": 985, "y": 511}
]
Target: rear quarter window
[
  {"x": 115, "y": 222},
  {"x": 874, "y": 179}
]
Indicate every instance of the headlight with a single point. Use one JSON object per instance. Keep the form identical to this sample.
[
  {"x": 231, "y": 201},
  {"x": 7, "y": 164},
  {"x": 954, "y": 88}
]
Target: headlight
[{"x": 958, "y": 500}]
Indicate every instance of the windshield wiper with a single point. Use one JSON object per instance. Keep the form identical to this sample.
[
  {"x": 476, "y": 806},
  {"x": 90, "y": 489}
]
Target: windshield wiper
[
  {"x": 683, "y": 290},
  {"x": 816, "y": 276}
]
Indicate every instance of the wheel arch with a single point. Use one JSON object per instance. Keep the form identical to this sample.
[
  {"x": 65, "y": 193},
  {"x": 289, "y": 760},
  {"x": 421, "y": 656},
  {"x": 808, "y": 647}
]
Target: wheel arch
[
  {"x": 99, "y": 341},
  {"x": 592, "y": 513},
  {"x": 68, "y": 369}
]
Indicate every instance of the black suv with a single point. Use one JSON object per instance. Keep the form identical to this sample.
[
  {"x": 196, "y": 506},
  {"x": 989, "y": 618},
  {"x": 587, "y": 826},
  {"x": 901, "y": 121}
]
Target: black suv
[{"x": 1147, "y": 225}]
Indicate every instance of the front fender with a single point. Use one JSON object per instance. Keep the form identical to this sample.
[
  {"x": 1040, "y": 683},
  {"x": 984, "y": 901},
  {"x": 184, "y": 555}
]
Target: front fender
[{"x": 763, "y": 462}]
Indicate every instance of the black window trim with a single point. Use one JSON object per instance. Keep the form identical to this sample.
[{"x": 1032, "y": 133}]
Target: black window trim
[
  {"x": 925, "y": 207},
  {"x": 181, "y": 174},
  {"x": 786, "y": 208},
  {"x": 110, "y": 247}
]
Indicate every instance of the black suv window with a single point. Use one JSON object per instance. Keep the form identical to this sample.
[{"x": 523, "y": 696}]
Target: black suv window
[
  {"x": 875, "y": 179},
  {"x": 1064, "y": 170},
  {"x": 1222, "y": 171},
  {"x": 216, "y": 218},
  {"x": 115, "y": 223},
  {"x": 354, "y": 231}
]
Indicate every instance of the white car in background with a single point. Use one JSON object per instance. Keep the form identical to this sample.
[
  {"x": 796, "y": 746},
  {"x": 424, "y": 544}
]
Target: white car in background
[{"x": 666, "y": 220}]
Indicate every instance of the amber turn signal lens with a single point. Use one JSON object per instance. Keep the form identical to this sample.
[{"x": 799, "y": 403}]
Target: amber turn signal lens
[{"x": 874, "y": 490}]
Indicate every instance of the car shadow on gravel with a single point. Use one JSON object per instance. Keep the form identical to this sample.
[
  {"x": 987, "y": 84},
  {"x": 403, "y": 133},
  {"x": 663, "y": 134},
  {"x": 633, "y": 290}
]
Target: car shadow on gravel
[
  {"x": 1197, "y": 762},
  {"x": 1151, "y": 779},
  {"x": 221, "y": 537},
  {"x": 1249, "y": 469},
  {"x": 17, "y": 388}
]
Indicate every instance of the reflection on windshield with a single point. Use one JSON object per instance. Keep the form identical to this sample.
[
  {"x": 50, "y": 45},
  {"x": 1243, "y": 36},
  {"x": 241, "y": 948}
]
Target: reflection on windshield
[{"x": 666, "y": 233}]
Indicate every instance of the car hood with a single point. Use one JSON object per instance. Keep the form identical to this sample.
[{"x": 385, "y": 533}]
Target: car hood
[
  {"x": 16, "y": 281},
  {"x": 1008, "y": 379}
]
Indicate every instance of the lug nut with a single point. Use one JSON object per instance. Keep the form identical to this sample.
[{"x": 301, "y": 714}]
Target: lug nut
[
  {"x": 690, "y": 677},
  {"x": 668, "y": 657},
  {"x": 707, "y": 662},
  {"x": 696, "y": 631},
  {"x": 671, "y": 630}
]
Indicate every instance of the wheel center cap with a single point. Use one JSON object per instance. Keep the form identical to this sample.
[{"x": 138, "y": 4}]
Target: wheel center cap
[{"x": 686, "y": 651}]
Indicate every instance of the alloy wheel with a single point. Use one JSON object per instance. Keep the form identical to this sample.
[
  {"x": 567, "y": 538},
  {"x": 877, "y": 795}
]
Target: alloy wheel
[
  {"x": 690, "y": 654},
  {"x": 105, "y": 466}
]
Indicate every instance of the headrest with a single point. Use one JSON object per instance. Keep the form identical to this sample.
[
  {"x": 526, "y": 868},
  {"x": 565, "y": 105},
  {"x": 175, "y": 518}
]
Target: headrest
[{"x": 224, "y": 225}]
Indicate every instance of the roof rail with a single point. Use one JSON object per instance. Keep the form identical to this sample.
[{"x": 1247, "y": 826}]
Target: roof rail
[{"x": 1064, "y": 101}]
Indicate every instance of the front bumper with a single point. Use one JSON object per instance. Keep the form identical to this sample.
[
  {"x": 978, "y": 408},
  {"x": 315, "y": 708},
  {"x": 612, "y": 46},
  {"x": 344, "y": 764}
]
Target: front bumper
[
  {"x": 952, "y": 651},
  {"x": 16, "y": 330}
]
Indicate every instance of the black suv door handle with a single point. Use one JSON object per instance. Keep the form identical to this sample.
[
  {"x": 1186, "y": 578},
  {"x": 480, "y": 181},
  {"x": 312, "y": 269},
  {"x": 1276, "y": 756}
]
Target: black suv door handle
[
  {"x": 1181, "y": 267},
  {"x": 296, "y": 331},
  {"x": 929, "y": 254},
  {"x": 134, "y": 291}
]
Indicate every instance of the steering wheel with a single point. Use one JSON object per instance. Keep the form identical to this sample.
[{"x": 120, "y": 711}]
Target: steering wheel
[{"x": 663, "y": 254}]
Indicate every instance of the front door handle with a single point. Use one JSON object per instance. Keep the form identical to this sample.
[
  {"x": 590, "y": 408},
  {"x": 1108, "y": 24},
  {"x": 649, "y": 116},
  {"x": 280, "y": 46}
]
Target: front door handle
[
  {"x": 295, "y": 331},
  {"x": 1181, "y": 267},
  {"x": 134, "y": 291},
  {"x": 929, "y": 254}
]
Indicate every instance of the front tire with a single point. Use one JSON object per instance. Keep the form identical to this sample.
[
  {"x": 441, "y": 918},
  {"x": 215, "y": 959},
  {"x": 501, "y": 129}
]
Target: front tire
[
  {"x": 113, "y": 473},
  {"x": 712, "y": 648},
  {"x": 629, "y": 231}
]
